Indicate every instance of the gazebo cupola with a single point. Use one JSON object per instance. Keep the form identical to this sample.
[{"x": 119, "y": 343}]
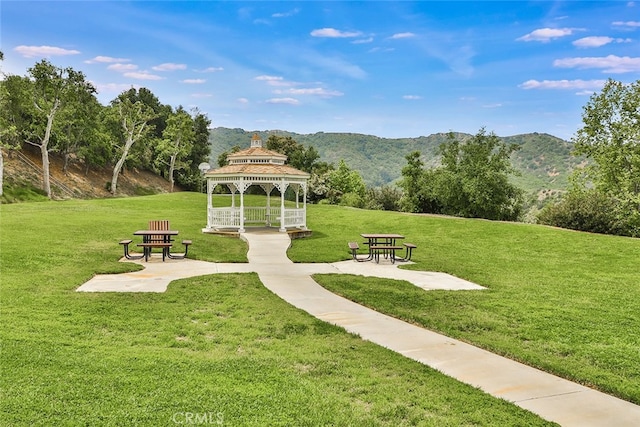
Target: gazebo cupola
[{"x": 266, "y": 169}]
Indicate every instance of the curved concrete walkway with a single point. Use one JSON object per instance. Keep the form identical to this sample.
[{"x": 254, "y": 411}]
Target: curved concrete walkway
[{"x": 551, "y": 397}]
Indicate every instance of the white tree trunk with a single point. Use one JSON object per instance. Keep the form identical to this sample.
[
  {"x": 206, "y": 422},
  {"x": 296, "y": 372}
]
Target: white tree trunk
[
  {"x": 44, "y": 148},
  {"x": 171, "y": 168},
  {"x": 131, "y": 138}
]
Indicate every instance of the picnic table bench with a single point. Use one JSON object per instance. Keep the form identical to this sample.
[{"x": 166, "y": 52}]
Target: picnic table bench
[
  {"x": 382, "y": 244},
  {"x": 159, "y": 235}
]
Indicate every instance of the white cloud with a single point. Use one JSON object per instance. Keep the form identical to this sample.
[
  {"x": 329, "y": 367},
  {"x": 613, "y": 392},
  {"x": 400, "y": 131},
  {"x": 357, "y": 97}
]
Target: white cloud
[
  {"x": 274, "y": 80},
  {"x": 363, "y": 41},
  {"x": 333, "y": 33},
  {"x": 290, "y": 101},
  {"x": 243, "y": 100},
  {"x": 595, "y": 41},
  {"x": 105, "y": 60},
  {"x": 495, "y": 105},
  {"x": 168, "y": 66},
  {"x": 631, "y": 24},
  {"x": 212, "y": 70},
  {"x": 286, "y": 14},
  {"x": 402, "y": 36},
  {"x": 546, "y": 34},
  {"x": 194, "y": 81},
  {"x": 563, "y": 84},
  {"x": 43, "y": 51},
  {"x": 609, "y": 64},
  {"x": 121, "y": 68},
  {"x": 142, "y": 75},
  {"x": 412, "y": 97},
  {"x": 318, "y": 91}
]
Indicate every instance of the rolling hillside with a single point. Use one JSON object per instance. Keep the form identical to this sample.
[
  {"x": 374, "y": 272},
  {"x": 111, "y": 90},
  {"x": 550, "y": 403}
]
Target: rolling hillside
[{"x": 543, "y": 160}]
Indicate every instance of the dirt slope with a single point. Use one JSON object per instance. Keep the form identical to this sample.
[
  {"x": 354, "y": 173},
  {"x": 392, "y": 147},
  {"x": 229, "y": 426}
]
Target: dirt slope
[{"x": 25, "y": 166}]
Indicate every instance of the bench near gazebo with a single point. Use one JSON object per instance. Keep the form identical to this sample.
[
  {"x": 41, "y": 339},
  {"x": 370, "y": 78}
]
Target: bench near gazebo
[{"x": 257, "y": 166}]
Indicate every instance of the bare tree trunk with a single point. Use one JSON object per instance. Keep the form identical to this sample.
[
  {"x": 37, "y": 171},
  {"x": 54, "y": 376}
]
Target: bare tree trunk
[
  {"x": 131, "y": 138},
  {"x": 116, "y": 170},
  {"x": 171, "y": 168},
  {"x": 44, "y": 149}
]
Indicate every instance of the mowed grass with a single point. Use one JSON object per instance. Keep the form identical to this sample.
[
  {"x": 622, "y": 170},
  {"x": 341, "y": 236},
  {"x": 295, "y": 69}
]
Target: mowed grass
[
  {"x": 220, "y": 348},
  {"x": 563, "y": 301}
]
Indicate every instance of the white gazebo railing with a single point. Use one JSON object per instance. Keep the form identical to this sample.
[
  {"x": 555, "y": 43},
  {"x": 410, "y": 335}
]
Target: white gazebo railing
[{"x": 229, "y": 217}]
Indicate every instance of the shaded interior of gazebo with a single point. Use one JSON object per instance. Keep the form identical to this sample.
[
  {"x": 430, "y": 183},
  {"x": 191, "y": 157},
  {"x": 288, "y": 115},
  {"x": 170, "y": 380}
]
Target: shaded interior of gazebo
[{"x": 257, "y": 166}]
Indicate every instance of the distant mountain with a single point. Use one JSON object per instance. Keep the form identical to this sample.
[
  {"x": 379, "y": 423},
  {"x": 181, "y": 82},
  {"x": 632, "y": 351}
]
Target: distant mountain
[{"x": 543, "y": 160}]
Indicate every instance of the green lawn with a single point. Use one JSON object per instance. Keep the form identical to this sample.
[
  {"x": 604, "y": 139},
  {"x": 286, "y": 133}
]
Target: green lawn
[
  {"x": 563, "y": 301},
  {"x": 218, "y": 348}
]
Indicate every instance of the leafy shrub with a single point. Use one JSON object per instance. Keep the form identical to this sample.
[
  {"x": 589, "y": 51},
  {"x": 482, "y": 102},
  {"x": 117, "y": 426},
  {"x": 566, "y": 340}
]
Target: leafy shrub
[{"x": 591, "y": 211}]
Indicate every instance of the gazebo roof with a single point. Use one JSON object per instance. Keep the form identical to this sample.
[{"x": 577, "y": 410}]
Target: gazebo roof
[
  {"x": 258, "y": 169},
  {"x": 257, "y": 161},
  {"x": 257, "y": 152}
]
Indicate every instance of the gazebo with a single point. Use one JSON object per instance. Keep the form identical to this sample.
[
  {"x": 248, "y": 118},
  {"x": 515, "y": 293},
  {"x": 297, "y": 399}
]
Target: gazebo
[{"x": 257, "y": 166}]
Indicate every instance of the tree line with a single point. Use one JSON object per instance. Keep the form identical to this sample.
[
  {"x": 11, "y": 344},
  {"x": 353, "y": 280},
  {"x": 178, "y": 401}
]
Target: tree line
[
  {"x": 56, "y": 110},
  {"x": 471, "y": 178}
]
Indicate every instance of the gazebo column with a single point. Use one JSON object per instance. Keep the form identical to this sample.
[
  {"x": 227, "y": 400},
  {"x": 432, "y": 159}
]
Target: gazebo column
[
  {"x": 304, "y": 204},
  {"x": 210, "y": 187},
  {"x": 242, "y": 186},
  {"x": 268, "y": 188},
  {"x": 282, "y": 187}
]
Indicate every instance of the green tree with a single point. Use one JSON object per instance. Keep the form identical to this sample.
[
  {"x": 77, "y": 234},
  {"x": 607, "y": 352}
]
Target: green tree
[
  {"x": 346, "y": 186},
  {"x": 223, "y": 157},
  {"x": 605, "y": 196},
  {"x": 473, "y": 180},
  {"x": 610, "y": 138},
  {"x": 53, "y": 89},
  {"x": 132, "y": 124},
  {"x": 412, "y": 175},
  {"x": 80, "y": 128},
  {"x": 298, "y": 156},
  {"x": 190, "y": 177},
  {"x": 176, "y": 144},
  {"x": 9, "y": 115}
]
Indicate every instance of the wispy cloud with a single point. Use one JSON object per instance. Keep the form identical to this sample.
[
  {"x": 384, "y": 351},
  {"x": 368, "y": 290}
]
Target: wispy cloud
[
  {"x": 563, "y": 84},
  {"x": 194, "y": 81},
  {"x": 412, "y": 97},
  {"x": 121, "y": 68},
  {"x": 105, "y": 60},
  {"x": 402, "y": 36},
  {"x": 201, "y": 95},
  {"x": 168, "y": 66},
  {"x": 609, "y": 64},
  {"x": 595, "y": 41},
  {"x": 212, "y": 70},
  {"x": 286, "y": 14},
  {"x": 43, "y": 51},
  {"x": 333, "y": 33},
  {"x": 363, "y": 41},
  {"x": 142, "y": 75},
  {"x": 629, "y": 24},
  {"x": 545, "y": 35},
  {"x": 316, "y": 91},
  {"x": 289, "y": 101},
  {"x": 274, "y": 80}
]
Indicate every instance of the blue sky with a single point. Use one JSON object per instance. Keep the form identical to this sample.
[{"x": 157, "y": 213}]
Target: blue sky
[{"x": 391, "y": 69}]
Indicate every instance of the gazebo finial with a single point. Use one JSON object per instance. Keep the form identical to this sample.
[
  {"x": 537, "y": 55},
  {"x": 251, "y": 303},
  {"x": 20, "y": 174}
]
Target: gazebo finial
[{"x": 256, "y": 141}]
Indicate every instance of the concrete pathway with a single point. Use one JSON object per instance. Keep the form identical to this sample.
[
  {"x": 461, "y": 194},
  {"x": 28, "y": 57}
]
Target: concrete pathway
[{"x": 551, "y": 397}]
